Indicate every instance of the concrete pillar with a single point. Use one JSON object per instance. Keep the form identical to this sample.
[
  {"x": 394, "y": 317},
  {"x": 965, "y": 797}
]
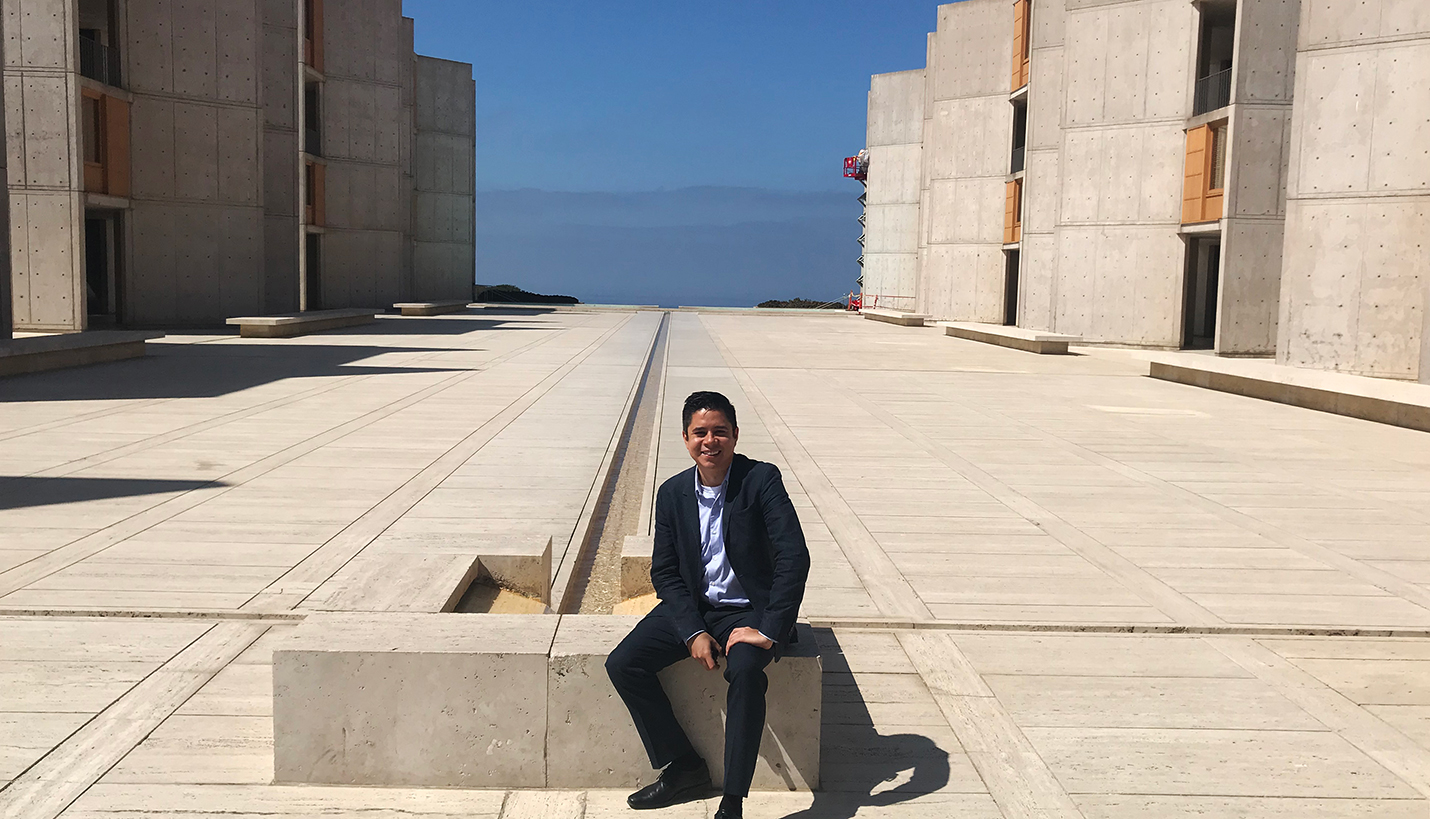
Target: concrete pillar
[
  {"x": 46, "y": 184},
  {"x": 7, "y": 322},
  {"x": 444, "y": 158}
]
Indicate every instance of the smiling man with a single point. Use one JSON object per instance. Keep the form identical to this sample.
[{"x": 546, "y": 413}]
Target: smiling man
[{"x": 729, "y": 567}]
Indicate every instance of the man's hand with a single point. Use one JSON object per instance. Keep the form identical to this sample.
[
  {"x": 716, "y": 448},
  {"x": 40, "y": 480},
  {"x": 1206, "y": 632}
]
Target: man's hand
[
  {"x": 744, "y": 634},
  {"x": 704, "y": 648}
]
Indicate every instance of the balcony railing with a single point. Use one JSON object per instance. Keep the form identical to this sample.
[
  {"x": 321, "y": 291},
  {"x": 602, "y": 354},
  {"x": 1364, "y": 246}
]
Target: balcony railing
[
  {"x": 98, "y": 61},
  {"x": 1213, "y": 92},
  {"x": 1016, "y": 163}
]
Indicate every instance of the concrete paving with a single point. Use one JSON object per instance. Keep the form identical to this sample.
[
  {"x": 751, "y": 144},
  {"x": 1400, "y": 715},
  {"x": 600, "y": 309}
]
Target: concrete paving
[{"x": 1042, "y": 586}]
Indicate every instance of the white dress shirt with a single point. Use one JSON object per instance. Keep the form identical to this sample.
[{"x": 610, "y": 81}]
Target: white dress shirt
[{"x": 722, "y": 587}]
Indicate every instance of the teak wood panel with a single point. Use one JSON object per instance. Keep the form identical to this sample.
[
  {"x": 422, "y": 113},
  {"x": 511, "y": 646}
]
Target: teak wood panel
[
  {"x": 1013, "y": 212},
  {"x": 313, "y": 34},
  {"x": 116, "y": 146},
  {"x": 1200, "y": 202},
  {"x": 1021, "y": 44},
  {"x": 316, "y": 205}
]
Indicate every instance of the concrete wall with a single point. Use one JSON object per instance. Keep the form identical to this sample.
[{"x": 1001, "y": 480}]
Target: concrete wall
[
  {"x": 891, "y": 204},
  {"x": 6, "y": 308},
  {"x": 1038, "y": 262},
  {"x": 43, "y": 169},
  {"x": 281, "y": 168},
  {"x": 368, "y": 58},
  {"x": 444, "y": 159},
  {"x": 1357, "y": 261},
  {"x": 1127, "y": 91},
  {"x": 969, "y": 138},
  {"x": 1259, "y": 131},
  {"x": 197, "y": 220}
]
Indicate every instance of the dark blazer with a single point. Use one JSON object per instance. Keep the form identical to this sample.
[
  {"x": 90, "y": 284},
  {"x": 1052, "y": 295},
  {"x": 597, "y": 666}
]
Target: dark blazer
[{"x": 762, "y": 539}]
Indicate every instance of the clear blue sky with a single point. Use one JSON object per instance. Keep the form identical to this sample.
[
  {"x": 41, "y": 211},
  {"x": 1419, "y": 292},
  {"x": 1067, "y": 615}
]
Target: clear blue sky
[{"x": 639, "y": 96}]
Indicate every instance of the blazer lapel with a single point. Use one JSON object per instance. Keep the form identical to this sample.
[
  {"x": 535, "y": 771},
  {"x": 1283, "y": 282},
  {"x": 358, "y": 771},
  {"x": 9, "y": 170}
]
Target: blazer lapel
[{"x": 690, "y": 519}]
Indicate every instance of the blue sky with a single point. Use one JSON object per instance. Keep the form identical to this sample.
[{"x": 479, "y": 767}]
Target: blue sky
[{"x": 642, "y": 96}]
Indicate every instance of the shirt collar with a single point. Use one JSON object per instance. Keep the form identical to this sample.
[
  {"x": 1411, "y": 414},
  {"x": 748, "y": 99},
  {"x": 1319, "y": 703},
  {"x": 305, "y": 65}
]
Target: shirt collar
[{"x": 701, "y": 490}]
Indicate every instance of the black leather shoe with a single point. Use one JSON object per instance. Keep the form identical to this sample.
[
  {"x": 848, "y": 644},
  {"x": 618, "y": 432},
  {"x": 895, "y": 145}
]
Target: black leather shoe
[
  {"x": 725, "y": 813},
  {"x": 673, "y": 786}
]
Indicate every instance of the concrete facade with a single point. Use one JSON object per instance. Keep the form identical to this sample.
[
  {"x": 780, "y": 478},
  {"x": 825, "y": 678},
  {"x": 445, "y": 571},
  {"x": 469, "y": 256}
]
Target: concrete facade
[
  {"x": 444, "y": 155},
  {"x": 177, "y": 164},
  {"x": 891, "y": 207},
  {"x": 1170, "y": 190},
  {"x": 1356, "y": 280}
]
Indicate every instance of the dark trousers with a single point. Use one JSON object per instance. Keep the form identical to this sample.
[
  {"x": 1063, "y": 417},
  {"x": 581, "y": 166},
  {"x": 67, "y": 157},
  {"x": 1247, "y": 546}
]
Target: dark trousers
[{"x": 653, "y": 645}]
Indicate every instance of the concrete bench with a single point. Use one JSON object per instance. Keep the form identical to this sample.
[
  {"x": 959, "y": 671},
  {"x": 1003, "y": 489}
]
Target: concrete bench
[
  {"x": 299, "y": 324},
  {"x": 894, "y": 317},
  {"x": 505, "y": 701},
  {"x": 430, "y": 308},
  {"x": 433, "y": 576},
  {"x": 1032, "y": 341},
  {"x": 635, "y": 566},
  {"x": 33, "y": 354}
]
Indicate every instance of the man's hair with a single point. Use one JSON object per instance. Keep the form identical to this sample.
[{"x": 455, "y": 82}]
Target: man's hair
[{"x": 705, "y": 400}]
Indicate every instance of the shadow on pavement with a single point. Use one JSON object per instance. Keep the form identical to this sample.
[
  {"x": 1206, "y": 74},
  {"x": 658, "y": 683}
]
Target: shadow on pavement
[
  {"x": 206, "y": 371},
  {"x": 861, "y": 760},
  {"x": 24, "y": 492}
]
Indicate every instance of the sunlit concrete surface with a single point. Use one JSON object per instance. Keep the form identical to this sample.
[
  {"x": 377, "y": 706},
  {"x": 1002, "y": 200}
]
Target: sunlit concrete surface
[{"x": 1024, "y": 512}]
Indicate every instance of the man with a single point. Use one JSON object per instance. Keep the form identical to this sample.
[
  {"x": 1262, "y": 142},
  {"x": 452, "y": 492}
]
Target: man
[{"x": 729, "y": 567}]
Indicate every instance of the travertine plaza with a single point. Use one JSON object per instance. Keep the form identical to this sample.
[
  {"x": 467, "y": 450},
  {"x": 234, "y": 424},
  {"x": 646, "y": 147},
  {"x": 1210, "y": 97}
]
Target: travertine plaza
[{"x": 1042, "y": 585}]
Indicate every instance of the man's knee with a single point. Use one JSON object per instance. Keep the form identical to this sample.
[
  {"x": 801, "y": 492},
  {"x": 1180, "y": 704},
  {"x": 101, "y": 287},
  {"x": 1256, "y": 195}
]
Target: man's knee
[
  {"x": 620, "y": 665},
  {"x": 745, "y": 664}
]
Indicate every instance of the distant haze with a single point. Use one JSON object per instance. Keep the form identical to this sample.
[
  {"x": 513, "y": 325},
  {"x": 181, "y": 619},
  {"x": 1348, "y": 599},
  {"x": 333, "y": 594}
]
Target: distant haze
[{"x": 714, "y": 246}]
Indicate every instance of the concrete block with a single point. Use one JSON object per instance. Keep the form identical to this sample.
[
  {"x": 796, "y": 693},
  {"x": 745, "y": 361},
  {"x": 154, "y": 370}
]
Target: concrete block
[
  {"x": 1017, "y": 338},
  {"x": 635, "y": 566},
  {"x": 895, "y": 317},
  {"x": 398, "y": 582},
  {"x": 592, "y": 744},
  {"x": 518, "y": 564},
  {"x": 299, "y": 324},
  {"x": 40, "y": 353},
  {"x": 427, "y": 700},
  {"x": 431, "y": 308}
]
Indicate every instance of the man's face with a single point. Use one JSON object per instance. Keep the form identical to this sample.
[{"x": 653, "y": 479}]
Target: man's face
[{"x": 710, "y": 440}]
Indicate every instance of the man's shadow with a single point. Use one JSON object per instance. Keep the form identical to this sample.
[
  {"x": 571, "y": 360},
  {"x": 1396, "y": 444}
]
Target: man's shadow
[{"x": 858, "y": 764}]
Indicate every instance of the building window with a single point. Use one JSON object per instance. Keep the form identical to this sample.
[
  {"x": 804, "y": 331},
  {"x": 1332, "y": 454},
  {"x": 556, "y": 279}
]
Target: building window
[
  {"x": 1218, "y": 169},
  {"x": 99, "y": 41},
  {"x": 1214, "y": 51},
  {"x": 1020, "y": 137},
  {"x": 1022, "y": 47}
]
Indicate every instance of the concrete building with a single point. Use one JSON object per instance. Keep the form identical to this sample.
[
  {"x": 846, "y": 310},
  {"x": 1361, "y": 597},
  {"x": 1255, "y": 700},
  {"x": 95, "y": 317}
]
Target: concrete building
[
  {"x": 176, "y": 164},
  {"x": 1144, "y": 156}
]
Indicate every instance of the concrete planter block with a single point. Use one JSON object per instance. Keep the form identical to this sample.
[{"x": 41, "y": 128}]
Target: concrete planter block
[
  {"x": 636, "y": 552},
  {"x": 35, "y": 354},
  {"x": 417, "y": 700},
  {"x": 1016, "y": 338},
  {"x": 592, "y": 744},
  {"x": 430, "y": 308},
  {"x": 894, "y": 317},
  {"x": 398, "y": 582},
  {"x": 519, "y": 564},
  {"x": 300, "y": 324}
]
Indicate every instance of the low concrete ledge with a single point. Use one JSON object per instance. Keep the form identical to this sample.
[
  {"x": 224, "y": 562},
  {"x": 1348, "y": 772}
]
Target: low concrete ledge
[
  {"x": 430, "y": 308},
  {"x": 1031, "y": 341},
  {"x": 33, "y": 354},
  {"x": 505, "y": 701},
  {"x": 894, "y": 317},
  {"x": 300, "y": 324},
  {"x": 636, "y": 553},
  {"x": 1398, "y": 403},
  {"x": 413, "y": 700}
]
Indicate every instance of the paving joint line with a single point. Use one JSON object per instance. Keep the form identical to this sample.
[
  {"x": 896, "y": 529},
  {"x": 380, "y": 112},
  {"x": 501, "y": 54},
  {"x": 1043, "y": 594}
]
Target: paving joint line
[{"x": 1147, "y": 629}]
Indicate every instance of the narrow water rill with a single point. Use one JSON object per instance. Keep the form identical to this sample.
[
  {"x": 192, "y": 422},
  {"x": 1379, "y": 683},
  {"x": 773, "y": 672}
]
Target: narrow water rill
[{"x": 596, "y": 588}]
